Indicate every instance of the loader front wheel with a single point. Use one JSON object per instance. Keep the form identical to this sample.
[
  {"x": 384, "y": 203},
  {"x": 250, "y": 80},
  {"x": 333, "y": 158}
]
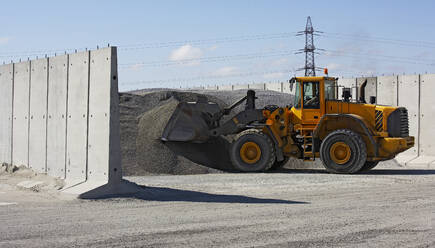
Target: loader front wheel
[
  {"x": 343, "y": 151},
  {"x": 252, "y": 151}
]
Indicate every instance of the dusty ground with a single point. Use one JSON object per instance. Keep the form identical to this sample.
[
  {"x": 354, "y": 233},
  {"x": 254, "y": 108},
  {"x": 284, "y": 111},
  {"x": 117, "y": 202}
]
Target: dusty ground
[{"x": 387, "y": 207}]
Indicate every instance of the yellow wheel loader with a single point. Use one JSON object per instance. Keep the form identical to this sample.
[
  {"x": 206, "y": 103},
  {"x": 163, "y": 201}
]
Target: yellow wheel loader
[{"x": 348, "y": 136}]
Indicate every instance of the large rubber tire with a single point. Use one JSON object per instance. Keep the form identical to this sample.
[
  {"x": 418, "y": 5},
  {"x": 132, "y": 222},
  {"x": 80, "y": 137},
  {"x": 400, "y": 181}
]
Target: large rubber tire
[
  {"x": 265, "y": 144},
  {"x": 278, "y": 165},
  {"x": 356, "y": 145},
  {"x": 369, "y": 165}
]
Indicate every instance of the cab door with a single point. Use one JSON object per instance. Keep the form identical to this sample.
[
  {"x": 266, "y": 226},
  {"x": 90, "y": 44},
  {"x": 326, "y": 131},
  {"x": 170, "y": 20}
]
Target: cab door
[{"x": 311, "y": 102}]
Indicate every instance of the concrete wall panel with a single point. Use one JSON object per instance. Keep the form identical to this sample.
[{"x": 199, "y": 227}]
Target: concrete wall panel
[
  {"x": 38, "y": 114},
  {"x": 387, "y": 90},
  {"x": 240, "y": 87},
  {"x": 225, "y": 87},
  {"x": 286, "y": 88},
  {"x": 211, "y": 87},
  {"x": 408, "y": 97},
  {"x": 57, "y": 116},
  {"x": 274, "y": 86},
  {"x": 346, "y": 83},
  {"x": 104, "y": 158},
  {"x": 427, "y": 130},
  {"x": 6, "y": 92},
  {"x": 20, "y": 136},
  {"x": 371, "y": 87},
  {"x": 78, "y": 79},
  {"x": 257, "y": 86}
]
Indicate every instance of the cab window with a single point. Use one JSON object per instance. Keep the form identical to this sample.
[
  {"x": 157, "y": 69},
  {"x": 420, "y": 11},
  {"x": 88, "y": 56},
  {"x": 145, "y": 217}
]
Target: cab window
[
  {"x": 297, "y": 103},
  {"x": 330, "y": 90},
  {"x": 311, "y": 95}
]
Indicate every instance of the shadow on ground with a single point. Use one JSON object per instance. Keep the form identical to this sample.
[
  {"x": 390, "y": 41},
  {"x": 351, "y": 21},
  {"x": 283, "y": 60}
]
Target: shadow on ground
[
  {"x": 169, "y": 194},
  {"x": 371, "y": 172},
  {"x": 164, "y": 194}
]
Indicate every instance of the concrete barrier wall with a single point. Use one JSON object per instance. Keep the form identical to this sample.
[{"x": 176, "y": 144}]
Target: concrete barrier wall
[
  {"x": 408, "y": 97},
  {"x": 65, "y": 118},
  {"x": 6, "y": 93},
  {"x": 426, "y": 125},
  {"x": 257, "y": 86},
  {"x": 346, "y": 83},
  {"x": 38, "y": 112},
  {"x": 57, "y": 115},
  {"x": 274, "y": 86},
  {"x": 20, "y": 124},
  {"x": 387, "y": 90}
]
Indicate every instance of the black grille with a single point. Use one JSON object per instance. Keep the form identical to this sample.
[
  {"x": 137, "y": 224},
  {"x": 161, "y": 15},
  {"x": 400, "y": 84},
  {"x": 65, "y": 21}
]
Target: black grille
[
  {"x": 398, "y": 124},
  {"x": 379, "y": 119}
]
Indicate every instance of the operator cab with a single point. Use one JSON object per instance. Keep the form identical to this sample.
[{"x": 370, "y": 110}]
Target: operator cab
[{"x": 310, "y": 96}]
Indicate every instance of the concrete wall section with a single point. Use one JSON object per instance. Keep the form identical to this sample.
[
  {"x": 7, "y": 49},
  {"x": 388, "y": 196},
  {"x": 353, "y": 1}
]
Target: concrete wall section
[
  {"x": 257, "y": 86},
  {"x": 104, "y": 159},
  {"x": 427, "y": 130},
  {"x": 20, "y": 135},
  {"x": 408, "y": 97},
  {"x": 240, "y": 86},
  {"x": 6, "y": 93},
  {"x": 346, "y": 83},
  {"x": 387, "y": 90},
  {"x": 275, "y": 87},
  {"x": 57, "y": 115},
  {"x": 370, "y": 90},
  {"x": 225, "y": 87},
  {"x": 211, "y": 87},
  {"x": 38, "y": 114},
  {"x": 77, "y": 129}
]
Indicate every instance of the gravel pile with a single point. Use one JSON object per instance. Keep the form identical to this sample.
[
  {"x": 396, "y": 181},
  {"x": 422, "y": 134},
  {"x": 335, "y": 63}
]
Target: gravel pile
[{"x": 143, "y": 116}]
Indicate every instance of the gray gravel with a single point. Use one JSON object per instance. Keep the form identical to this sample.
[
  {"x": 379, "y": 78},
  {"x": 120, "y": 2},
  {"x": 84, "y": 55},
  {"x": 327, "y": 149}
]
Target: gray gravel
[
  {"x": 387, "y": 207},
  {"x": 143, "y": 116}
]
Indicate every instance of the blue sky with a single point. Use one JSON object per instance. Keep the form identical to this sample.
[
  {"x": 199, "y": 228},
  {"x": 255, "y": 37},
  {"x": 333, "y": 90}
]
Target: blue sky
[{"x": 190, "y": 43}]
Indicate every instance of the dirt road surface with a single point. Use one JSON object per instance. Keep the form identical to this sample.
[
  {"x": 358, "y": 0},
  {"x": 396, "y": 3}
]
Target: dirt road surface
[{"x": 387, "y": 207}]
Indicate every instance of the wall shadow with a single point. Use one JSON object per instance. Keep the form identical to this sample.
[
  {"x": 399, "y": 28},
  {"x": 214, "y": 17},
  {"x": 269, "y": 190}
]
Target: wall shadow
[{"x": 164, "y": 194}]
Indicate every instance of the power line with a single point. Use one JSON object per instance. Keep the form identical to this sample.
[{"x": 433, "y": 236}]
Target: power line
[
  {"x": 408, "y": 43},
  {"x": 207, "y": 41},
  {"x": 178, "y": 80},
  {"x": 209, "y": 59},
  {"x": 379, "y": 57}
]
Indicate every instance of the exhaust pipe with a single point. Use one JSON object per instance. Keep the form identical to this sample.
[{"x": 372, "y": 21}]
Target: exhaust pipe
[{"x": 362, "y": 92}]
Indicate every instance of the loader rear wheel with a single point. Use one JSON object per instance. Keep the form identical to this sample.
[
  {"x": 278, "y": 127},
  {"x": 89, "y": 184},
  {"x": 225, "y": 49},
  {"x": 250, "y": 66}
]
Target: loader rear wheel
[
  {"x": 251, "y": 151},
  {"x": 369, "y": 165},
  {"x": 343, "y": 151}
]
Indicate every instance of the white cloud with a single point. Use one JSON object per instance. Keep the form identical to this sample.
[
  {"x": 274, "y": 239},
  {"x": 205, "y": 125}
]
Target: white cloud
[
  {"x": 4, "y": 40},
  {"x": 186, "y": 52},
  {"x": 226, "y": 71}
]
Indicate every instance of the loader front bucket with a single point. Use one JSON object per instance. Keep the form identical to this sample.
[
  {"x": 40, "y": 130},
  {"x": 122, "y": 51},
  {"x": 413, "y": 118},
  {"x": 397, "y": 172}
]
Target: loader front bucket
[{"x": 191, "y": 122}]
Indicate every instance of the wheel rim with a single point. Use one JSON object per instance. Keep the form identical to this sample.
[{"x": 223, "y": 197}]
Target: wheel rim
[
  {"x": 250, "y": 152},
  {"x": 340, "y": 152}
]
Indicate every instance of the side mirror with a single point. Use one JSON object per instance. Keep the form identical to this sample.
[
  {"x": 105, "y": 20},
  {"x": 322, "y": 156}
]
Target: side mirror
[
  {"x": 292, "y": 82},
  {"x": 372, "y": 99}
]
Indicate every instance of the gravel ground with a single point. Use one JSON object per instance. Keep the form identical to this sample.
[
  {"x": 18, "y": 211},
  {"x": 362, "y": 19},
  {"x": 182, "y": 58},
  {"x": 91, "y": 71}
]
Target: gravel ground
[{"x": 387, "y": 207}]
